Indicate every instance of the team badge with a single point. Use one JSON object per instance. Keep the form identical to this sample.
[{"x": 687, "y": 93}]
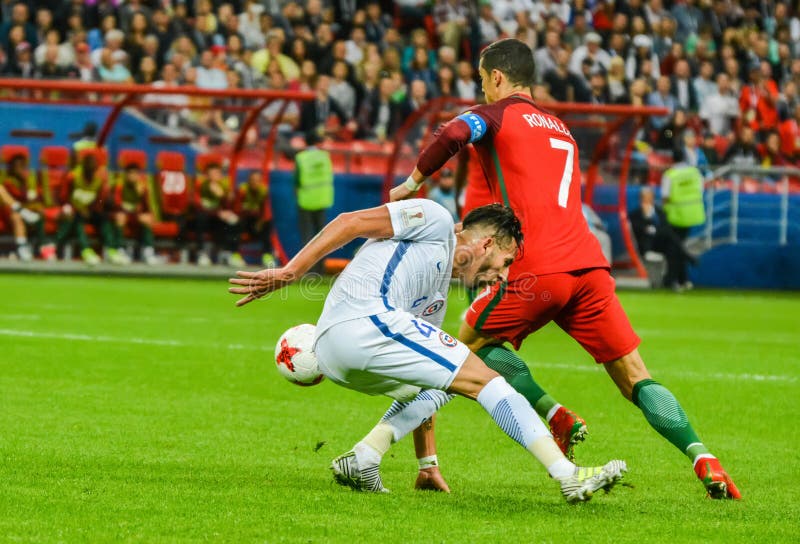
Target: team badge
[
  {"x": 433, "y": 308},
  {"x": 447, "y": 340}
]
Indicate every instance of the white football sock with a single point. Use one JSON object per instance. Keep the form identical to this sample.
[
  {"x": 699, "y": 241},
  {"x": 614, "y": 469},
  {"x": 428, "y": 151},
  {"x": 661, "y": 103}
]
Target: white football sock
[
  {"x": 513, "y": 413},
  {"x": 401, "y": 419}
]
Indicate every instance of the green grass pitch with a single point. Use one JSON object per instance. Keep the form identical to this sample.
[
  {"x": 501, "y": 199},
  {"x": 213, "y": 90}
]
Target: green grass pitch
[{"x": 150, "y": 411}]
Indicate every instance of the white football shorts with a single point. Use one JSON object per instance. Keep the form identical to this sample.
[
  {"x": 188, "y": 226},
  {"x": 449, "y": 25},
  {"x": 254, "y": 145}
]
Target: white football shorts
[{"x": 386, "y": 353}]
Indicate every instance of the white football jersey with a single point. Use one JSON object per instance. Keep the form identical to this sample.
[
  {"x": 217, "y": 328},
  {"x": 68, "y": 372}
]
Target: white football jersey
[{"x": 410, "y": 271}]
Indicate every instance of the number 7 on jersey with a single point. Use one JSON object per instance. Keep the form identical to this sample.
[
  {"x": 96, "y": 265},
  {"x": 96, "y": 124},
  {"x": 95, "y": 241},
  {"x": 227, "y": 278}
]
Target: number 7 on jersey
[{"x": 563, "y": 188}]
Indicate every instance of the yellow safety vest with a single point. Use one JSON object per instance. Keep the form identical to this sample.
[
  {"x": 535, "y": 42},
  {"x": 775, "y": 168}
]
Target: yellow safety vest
[
  {"x": 314, "y": 180},
  {"x": 685, "y": 207}
]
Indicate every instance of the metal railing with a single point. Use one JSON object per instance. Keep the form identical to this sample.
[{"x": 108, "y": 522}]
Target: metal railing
[{"x": 726, "y": 214}]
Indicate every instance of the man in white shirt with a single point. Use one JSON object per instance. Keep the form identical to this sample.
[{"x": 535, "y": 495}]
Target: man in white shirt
[
  {"x": 590, "y": 50},
  {"x": 719, "y": 109},
  {"x": 379, "y": 329}
]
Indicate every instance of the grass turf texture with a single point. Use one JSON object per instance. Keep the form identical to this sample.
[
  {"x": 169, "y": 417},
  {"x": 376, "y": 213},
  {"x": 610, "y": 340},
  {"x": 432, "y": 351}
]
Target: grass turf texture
[{"x": 149, "y": 410}]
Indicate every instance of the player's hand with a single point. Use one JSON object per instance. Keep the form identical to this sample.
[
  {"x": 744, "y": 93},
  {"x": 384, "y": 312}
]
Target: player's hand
[
  {"x": 431, "y": 479},
  {"x": 401, "y": 192},
  {"x": 255, "y": 285}
]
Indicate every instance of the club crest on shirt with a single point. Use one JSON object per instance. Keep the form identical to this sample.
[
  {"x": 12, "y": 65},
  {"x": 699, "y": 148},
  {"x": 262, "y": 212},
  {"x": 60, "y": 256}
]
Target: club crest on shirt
[
  {"x": 432, "y": 308},
  {"x": 413, "y": 216},
  {"x": 447, "y": 340}
]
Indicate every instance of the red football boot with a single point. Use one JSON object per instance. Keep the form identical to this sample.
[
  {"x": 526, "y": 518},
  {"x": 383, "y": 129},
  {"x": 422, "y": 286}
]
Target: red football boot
[
  {"x": 568, "y": 428},
  {"x": 717, "y": 482}
]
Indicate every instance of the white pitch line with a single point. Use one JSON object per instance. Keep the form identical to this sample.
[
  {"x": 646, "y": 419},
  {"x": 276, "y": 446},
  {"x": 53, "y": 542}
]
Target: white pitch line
[
  {"x": 588, "y": 367},
  {"x": 126, "y": 340},
  {"x": 686, "y": 374}
]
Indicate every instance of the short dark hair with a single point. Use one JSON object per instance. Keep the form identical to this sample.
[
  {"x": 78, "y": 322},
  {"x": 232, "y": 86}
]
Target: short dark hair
[
  {"x": 501, "y": 219},
  {"x": 513, "y": 58}
]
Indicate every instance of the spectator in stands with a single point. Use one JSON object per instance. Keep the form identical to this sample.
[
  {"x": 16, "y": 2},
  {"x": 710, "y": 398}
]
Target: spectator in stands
[
  {"x": 650, "y": 228},
  {"x": 639, "y": 92},
  {"x": 704, "y": 85},
  {"x": 662, "y": 97},
  {"x": 209, "y": 75},
  {"x": 314, "y": 182},
  {"x": 261, "y": 58},
  {"x": 315, "y": 115},
  {"x": 758, "y": 101},
  {"x": 709, "y": 147},
  {"x": 743, "y": 152},
  {"x": 356, "y": 46},
  {"x": 20, "y": 16},
  {"x": 254, "y": 210},
  {"x": 682, "y": 87},
  {"x": 420, "y": 69},
  {"x": 112, "y": 67},
  {"x": 341, "y": 90},
  {"x": 85, "y": 193},
  {"x": 86, "y": 70},
  {"x": 550, "y": 57},
  {"x": 450, "y": 19},
  {"x": 26, "y": 213},
  {"x": 598, "y": 89},
  {"x": 216, "y": 224},
  {"x": 444, "y": 192},
  {"x": 488, "y": 27},
  {"x": 131, "y": 209},
  {"x": 575, "y": 33},
  {"x": 466, "y": 87},
  {"x": 670, "y": 136},
  {"x": 49, "y": 67},
  {"x": 789, "y": 131},
  {"x": 21, "y": 65},
  {"x": 682, "y": 192},
  {"x": 592, "y": 50},
  {"x": 377, "y": 23},
  {"x": 380, "y": 115},
  {"x": 147, "y": 73},
  {"x": 642, "y": 56},
  {"x": 164, "y": 30},
  {"x": 693, "y": 153},
  {"x": 721, "y": 108},
  {"x": 618, "y": 85},
  {"x": 771, "y": 154},
  {"x": 445, "y": 81},
  {"x": 688, "y": 18},
  {"x": 416, "y": 98}
]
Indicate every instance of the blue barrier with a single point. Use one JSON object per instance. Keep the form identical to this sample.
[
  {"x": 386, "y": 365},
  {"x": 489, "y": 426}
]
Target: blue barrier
[{"x": 757, "y": 261}]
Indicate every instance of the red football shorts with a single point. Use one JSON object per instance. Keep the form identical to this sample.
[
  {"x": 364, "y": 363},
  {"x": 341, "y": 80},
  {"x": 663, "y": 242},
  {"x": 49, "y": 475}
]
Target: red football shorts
[{"x": 583, "y": 303}]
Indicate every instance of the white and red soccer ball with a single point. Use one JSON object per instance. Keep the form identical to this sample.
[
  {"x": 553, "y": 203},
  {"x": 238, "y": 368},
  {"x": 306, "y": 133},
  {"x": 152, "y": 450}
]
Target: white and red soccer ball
[{"x": 295, "y": 358}]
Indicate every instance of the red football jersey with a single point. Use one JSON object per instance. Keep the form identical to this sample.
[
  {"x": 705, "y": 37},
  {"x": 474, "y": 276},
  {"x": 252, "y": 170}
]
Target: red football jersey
[
  {"x": 174, "y": 189},
  {"x": 530, "y": 160},
  {"x": 477, "y": 191}
]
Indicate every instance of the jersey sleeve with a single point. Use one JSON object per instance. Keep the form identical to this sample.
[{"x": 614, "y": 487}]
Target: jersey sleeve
[
  {"x": 469, "y": 127},
  {"x": 420, "y": 220}
]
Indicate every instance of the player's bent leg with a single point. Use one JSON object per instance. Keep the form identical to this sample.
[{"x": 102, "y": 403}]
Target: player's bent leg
[
  {"x": 665, "y": 414},
  {"x": 515, "y": 416},
  {"x": 509, "y": 315}
]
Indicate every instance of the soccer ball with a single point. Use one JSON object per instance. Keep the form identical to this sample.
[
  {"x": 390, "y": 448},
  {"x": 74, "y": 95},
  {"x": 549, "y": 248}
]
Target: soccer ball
[{"x": 294, "y": 358}]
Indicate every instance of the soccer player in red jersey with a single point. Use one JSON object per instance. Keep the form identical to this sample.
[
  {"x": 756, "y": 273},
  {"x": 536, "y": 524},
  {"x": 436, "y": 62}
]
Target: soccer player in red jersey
[{"x": 530, "y": 161}]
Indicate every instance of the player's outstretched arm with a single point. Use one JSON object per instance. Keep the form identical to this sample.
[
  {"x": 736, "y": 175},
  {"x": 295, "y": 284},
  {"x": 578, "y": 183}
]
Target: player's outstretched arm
[
  {"x": 370, "y": 223},
  {"x": 448, "y": 141}
]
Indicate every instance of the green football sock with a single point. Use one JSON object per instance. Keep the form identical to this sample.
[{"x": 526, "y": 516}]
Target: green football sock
[
  {"x": 665, "y": 415},
  {"x": 147, "y": 236},
  {"x": 517, "y": 373}
]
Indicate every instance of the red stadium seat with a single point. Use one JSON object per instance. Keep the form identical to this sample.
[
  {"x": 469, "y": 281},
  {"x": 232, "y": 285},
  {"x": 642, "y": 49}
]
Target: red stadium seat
[
  {"x": 657, "y": 163},
  {"x": 132, "y": 157},
  {"x": 53, "y": 168},
  {"x": 205, "y": 159},
  {"x": 7, "y": 152},
  {"x": 174, "y": 191}
]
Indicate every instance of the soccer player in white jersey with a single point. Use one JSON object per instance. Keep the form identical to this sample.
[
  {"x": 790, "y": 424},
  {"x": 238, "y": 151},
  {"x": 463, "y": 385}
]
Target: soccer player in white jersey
[{"x": 379, "y": 330}]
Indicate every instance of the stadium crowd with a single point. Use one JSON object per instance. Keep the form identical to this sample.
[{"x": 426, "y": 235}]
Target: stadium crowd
[{"x": 728, "y": 71}]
